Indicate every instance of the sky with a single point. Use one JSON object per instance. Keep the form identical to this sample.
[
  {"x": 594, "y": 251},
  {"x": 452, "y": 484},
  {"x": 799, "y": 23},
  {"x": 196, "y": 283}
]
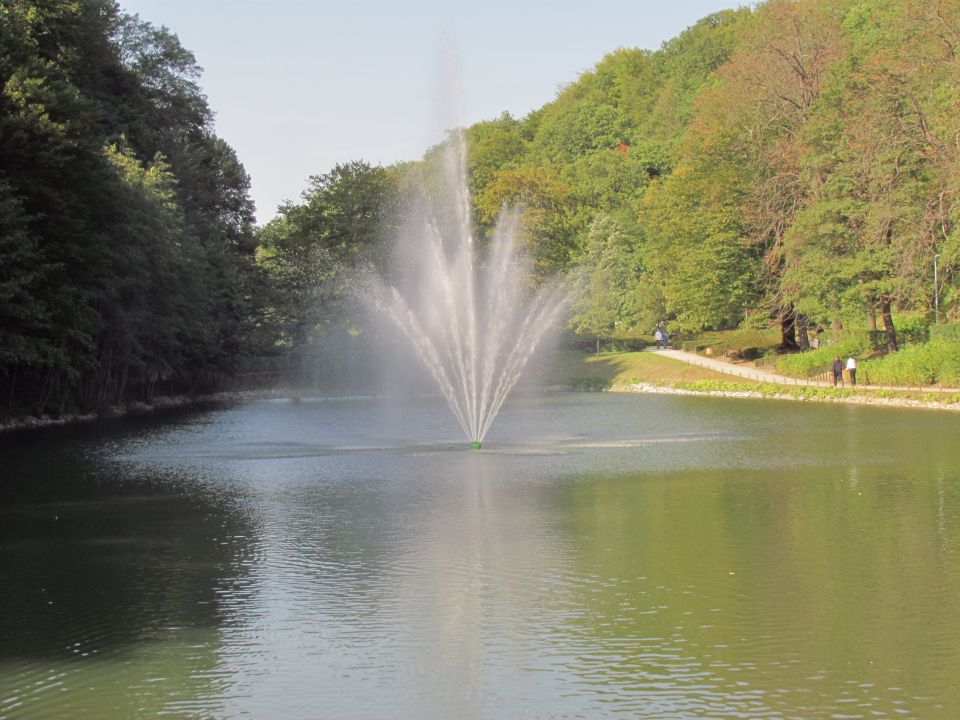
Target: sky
[{"x": 298, "y": 86}]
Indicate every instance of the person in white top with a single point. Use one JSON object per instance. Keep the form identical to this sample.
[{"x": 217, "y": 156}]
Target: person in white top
[{"x": 852, "y": 369}]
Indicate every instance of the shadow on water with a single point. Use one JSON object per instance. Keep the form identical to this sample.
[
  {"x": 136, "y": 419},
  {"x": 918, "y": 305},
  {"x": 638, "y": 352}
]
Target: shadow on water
[{"x": 96, "y": 556}]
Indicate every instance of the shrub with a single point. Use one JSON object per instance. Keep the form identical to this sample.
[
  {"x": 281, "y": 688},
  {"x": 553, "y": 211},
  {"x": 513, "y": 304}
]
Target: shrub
[
  {"x": 912, "y": 330},
  {"x": 946, "y": 333},
  {"x": 933, "y": 362},
  {"x": 587, "y": 342},
  {"x": 814, "y": 362}
]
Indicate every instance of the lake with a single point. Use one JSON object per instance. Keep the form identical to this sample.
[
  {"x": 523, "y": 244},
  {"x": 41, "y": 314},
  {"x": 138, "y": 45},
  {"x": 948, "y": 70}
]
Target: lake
[{"x": 604, "y": 556}]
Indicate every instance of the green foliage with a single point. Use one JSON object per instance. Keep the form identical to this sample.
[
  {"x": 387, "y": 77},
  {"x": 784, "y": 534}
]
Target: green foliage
[
  {"x": 924, "y": 364},
  {"x": 591, "y": 156},
  {"x": 24, "y": 312},
  {"x": 815, "y": 362},
  {"x": 913, "y": 329},
  {"x": 610, "y": 180},
  {"x": 609, "y": 289},
  {"x": 684, "y": 66},
  {"x": 549, "y": 225},
  {"x": 949, "y": 333},
  {"x": 746, "y": 341},
  {"x": 694, "y": 252},
  {"x": 815, "y": 174},
  {"x": 313, "y": 252},
  {"x": 126, "y": 230},
  {"x": 494, "y": 145},
  {"x": 580, "y": 129},
  {"x": 797, "y": 159}
]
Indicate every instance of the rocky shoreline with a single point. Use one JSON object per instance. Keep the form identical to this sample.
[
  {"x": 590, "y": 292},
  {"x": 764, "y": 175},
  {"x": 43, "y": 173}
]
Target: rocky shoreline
[
  {"x": 130, "y": 409},
  {"x": 846, "y": 400}
]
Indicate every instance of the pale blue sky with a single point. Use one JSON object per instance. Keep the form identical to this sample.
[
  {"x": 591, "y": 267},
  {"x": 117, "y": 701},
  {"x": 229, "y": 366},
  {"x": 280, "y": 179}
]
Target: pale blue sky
[{"x": 299, "y": 86}]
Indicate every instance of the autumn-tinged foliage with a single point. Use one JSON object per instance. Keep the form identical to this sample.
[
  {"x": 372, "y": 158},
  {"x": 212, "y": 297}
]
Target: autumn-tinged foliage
[{"x": 796, "y": 164}]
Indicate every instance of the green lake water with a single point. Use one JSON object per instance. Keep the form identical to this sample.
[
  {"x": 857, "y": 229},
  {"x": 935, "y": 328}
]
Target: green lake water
[{"x": 604, "y": 556}]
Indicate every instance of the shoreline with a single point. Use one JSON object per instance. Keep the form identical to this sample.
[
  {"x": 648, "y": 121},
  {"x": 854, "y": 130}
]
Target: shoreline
[
  {"x": 136, "y": 408},
  {"x": 171, "y": 402},
  {"x": 910, "y": 403}
]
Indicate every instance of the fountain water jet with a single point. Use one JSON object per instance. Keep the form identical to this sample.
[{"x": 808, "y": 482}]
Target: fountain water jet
[{"x": 474, "y": 322}]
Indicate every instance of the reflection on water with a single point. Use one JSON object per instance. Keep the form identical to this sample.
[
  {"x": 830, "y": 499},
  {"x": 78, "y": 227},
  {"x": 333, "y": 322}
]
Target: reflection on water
[{"x": 603, "y": 556}]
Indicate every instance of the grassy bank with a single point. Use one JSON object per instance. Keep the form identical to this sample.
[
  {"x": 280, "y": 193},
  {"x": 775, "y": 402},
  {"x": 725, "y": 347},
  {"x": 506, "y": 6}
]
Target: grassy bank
[
  {"x": 645, "y": 371},
  {"x": 605, "y": 371},
  {"x": 803, "y": 392}
]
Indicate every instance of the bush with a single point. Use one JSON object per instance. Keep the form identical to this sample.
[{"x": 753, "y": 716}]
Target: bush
[
  {"x": 934, "y": 362},
  {"x": 608, "y": 343},
  {"x": 589, "y": 384},
  {"x": 747, "y": 341},
  {"x": 912, "y": 330},
  {"x": 818, "y": 361},
  {"x": 946, "y": 333}
]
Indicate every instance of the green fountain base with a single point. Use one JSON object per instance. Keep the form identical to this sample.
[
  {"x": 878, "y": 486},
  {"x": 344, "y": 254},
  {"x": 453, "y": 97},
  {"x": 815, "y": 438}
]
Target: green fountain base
[{"x": 475, "y": 445}]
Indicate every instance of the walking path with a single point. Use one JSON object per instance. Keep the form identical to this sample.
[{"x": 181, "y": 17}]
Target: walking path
[{"x": 757, "y": 375}]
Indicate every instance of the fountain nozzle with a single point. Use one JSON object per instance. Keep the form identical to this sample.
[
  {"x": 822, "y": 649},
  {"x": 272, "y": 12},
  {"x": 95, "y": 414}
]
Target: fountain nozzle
[{"x": 475, "y": 445}]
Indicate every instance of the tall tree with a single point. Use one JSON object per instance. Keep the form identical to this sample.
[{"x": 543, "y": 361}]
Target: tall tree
[{"x": 314, "y": 251}]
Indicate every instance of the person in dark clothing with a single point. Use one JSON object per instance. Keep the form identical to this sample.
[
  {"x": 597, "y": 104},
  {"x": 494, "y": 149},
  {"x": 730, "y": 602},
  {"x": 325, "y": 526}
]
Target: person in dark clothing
[{"x": 837, "y": 370}]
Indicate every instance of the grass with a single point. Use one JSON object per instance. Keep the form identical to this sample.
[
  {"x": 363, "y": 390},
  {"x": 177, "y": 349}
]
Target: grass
[
  {"x": 580, "y": 371},
  {"x": 589, "y": 372},
  {"x": 806, "y": 392}
]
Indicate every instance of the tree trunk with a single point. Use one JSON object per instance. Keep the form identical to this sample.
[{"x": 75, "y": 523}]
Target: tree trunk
[
  {"x": 888, "y": 328},
  {"x": 788, "y": 331},
  {"x": 123, "y": 382},
  {"x": 45, "y": 392},
  {"x": 803, "y": 338},
  {"x": 13, "y": 386},
  {"x": 837, "y": 327},
  {"x": 871, "y": 308}
]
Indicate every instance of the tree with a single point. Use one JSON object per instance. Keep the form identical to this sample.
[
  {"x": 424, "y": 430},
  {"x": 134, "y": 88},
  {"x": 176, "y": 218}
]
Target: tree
[
  {"x": 753, "y": 119},
  {"x": 314, "y": 252},
  {"x": 493, "y": 146},
  {"x": 548, "y": 223},
  {"x": 693, "y": 248},
  {"x": 612, "y": 290},
  {"x": 127, "y": 239}
]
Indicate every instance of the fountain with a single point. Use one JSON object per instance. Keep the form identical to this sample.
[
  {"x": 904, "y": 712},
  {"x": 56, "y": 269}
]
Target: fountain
[{"x": 473, "y": 318}]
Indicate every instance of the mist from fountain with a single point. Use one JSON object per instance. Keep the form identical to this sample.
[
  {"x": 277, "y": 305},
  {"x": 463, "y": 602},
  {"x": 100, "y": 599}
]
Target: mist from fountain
[{"x": 473, "y": 318}]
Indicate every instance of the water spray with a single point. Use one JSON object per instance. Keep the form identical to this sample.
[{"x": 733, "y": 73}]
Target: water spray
[{"x": 472, "y": 321}]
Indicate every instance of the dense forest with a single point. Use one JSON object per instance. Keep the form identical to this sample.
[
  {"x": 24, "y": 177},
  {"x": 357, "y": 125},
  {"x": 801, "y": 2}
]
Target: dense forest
[
  {"x": 795, "y": 164},
  {"x": 792, "y": 165},
  {"x": 127, "y": 236}
]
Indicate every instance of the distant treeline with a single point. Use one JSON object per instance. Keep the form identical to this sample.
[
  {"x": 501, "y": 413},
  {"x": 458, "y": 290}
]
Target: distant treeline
[
  {"x": 796, "y": 164},
  {"x": 793, "y": 165}
]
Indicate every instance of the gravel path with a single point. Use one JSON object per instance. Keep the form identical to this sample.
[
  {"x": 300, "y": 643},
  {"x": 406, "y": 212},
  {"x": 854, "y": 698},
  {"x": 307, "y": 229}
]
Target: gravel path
[{"x": 757, "y": 375}]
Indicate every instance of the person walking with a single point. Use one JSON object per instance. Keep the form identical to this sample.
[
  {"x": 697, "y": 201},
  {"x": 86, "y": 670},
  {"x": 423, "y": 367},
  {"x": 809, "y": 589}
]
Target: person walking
[
  {"x": 852, "y": 369},
  {"x": 658, "y": 336},
  {"x": 837, "y": 370}
]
